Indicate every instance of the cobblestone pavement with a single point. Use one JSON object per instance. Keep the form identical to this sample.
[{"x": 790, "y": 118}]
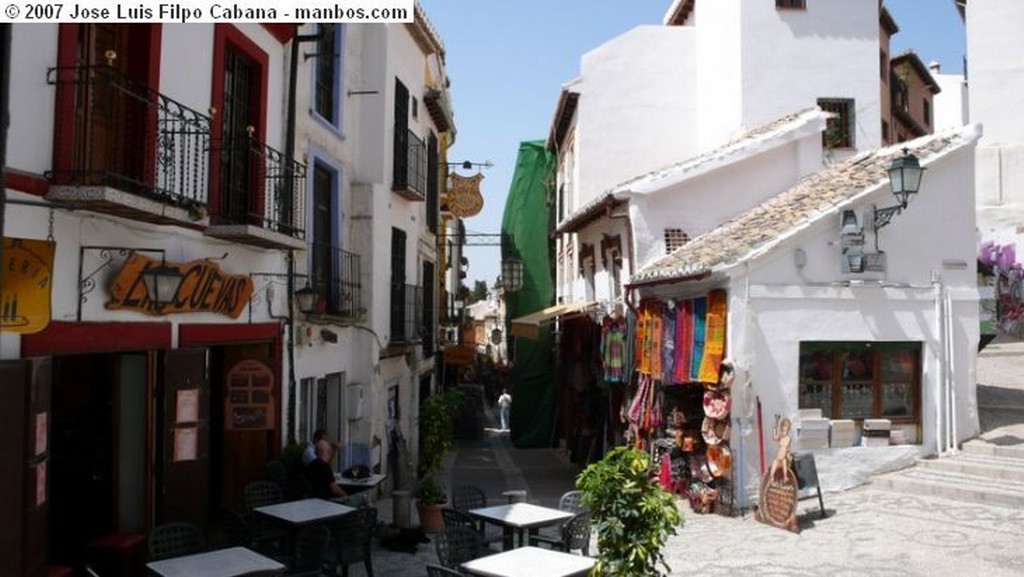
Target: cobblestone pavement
[{"x": 868, "y": 531}]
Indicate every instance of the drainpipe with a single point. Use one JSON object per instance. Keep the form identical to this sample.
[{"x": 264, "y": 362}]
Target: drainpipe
[
  {"x": 289, "y": 174},
  {"x": 940, "y": 334},
  {"x": 951, "y": 362}
]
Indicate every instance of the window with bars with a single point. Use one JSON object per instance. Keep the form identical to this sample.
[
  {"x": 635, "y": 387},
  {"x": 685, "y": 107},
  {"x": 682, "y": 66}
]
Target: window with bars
[
  {"x": 926, "y": 107},
  {"x": 855, "y": 380},
  {"x": 398, "y": 243},
  {"x": 790, "y": 4},
  {"x": 674, "y": 239},
  {"x": 839, "y": 130},
  {"x": 321, "y": 269},
  {"x": 327, "y": 64}
]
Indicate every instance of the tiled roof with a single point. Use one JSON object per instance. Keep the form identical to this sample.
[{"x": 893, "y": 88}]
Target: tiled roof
[
  {"x": 816, "y": 197},
  {"x": 587, "y": 213}
]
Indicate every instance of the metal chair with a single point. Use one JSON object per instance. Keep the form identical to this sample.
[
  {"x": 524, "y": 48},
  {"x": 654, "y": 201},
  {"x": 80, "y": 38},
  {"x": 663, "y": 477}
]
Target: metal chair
[
  {"x": 466, "y": 497},
  {"x": 266, "y": 536},
  {"x": 457, "y": 545},
  {"x": 453, "y": 518},
  {"x": 310, "y": 551},
  {"x": 352, "y": 535},
  {"x": 277, "y": 473},
  {"x": 260, "y": 493},
  {"x": 574, "y": 534},
  {"x": 235, "y": 530},
  {"x": 439, "y": 571},
  {"x": 174, "y": 540},
  {"x": 572, "y": 501}
]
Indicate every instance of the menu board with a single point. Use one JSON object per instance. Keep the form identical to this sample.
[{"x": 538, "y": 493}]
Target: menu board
[{"x": 249, "y": 402}]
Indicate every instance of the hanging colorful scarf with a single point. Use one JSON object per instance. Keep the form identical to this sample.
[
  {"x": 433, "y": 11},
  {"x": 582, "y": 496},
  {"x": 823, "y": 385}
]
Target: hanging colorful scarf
[
  {"x": 657, "y": 334},
  {"x": 714, "y": 337},
  {"x": 614, "y": 352},
  {"x": 684, "y": 341},
  {"x": 668, "y": 344},
  {"x": 699, "y": 311}
]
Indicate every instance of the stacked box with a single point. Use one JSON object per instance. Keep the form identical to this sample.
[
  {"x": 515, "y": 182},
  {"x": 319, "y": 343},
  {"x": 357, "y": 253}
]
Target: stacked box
[
  {"x": 844, "y": 433},
  {"x": 813, "y": 433},
  {"x": 876, "y": 432}
]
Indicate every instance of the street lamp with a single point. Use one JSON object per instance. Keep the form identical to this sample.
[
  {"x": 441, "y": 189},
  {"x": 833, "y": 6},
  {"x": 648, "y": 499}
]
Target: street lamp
[
  {"x": 512, "y": 274},
  {"x": 162, "y": 283},
  {"x": 305, "y": 298},
  {"x": 905, "y": 174}
]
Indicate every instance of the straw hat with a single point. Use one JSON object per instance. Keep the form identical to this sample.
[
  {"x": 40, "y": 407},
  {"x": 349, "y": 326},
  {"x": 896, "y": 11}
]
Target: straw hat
[
  {"x": 717, "y": 404},
  {"x": 719, "y": 459},
  {"x": 714, "y": 431}
]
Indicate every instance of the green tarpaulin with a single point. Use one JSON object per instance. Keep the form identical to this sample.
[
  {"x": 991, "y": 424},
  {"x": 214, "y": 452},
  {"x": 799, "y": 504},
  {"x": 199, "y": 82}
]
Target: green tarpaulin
[{"x": 525, "y": 232}]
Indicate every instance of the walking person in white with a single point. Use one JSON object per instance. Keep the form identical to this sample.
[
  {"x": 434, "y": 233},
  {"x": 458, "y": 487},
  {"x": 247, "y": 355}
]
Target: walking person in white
[{"x": 504, "y": 403}]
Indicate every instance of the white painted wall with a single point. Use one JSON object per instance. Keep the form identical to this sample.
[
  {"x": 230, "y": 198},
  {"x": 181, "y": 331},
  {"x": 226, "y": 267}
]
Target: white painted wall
[
  {"x": 30, "y": 136},
  {"x": 950, "y": 104},
  {"x": 995, "y": 85},
  {"x": 637, "y": 107}
]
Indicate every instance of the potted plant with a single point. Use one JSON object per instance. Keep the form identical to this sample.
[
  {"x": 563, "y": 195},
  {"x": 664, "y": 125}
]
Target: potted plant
[
  {"x": 437, "y": 436},
  {"x": 632, "y": 515}
]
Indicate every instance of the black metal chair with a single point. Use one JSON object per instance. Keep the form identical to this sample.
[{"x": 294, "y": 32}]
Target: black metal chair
[
  {"x": 466, "y": 497},
  {"x": 457, "y": 545},
  {"x": 572, "y": 501},
  {"x": 265, "y": 535},
  {"x": 352, "y": 535},
  {"x": 277, "y": 473},
  {"x": 310, "y": 551},
  {"x": 439, "y": 571},
  {"x": 174, "y": 540},
  {"x": 454, "y": 518},
  {"x": 574, "y": 534},
  {"x": 234, "y": 529}
]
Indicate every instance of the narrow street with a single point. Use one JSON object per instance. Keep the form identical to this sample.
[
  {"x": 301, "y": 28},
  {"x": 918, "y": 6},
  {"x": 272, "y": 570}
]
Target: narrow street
[{"x": 868, "y": 530}]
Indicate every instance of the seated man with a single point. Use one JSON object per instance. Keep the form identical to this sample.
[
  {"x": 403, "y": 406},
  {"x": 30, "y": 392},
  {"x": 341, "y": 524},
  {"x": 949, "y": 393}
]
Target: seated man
[
  {"x": 319, "y": 473},
  {"x": 310, "y": 452}
]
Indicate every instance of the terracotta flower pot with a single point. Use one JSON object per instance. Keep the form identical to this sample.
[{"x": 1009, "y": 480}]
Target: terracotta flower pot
[{"x": 430, "y": 517}]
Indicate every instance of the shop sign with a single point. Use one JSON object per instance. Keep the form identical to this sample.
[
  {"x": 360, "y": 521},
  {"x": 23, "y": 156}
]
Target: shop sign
[
  {"x": 204, "y": 288},
  {"x": 249, "y": 396},
  {"x": 464, "y": 198},
  {"x": 27, "y": 278},
  {"x": 458, "y": 355},
  {"x": 778, "y": 499}
]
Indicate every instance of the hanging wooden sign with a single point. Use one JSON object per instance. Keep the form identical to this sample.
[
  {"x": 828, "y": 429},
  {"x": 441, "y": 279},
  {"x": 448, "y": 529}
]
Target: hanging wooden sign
[
  {"x": 464, "y": 198},
  {"x": 27, "y": 279},
  {"x": 204, "y": 288}
]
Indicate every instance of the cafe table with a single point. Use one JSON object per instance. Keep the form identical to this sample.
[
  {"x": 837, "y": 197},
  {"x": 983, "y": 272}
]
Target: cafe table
[
  {"x": 304, "y": 511},
  {"x": 518, "y": 518},
  {"x": 229, "y": 562},
  {"x": 530, "y": 562}
]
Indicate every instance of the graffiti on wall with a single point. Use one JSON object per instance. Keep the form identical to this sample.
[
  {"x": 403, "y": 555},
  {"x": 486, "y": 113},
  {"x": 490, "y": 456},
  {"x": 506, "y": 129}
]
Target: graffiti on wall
[{"x": 1001, "y": 280}]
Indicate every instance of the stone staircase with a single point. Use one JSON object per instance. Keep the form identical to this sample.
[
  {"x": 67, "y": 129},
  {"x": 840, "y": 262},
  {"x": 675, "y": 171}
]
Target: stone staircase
[{"x": 983, "y": 473}]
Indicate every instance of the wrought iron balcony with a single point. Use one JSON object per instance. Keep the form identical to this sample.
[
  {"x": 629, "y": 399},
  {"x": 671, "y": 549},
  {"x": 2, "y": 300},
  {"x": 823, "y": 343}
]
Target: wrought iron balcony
[
  {"x": 406, "y": 313},
  {"x": 410, "y": 176},
  {"x": 336, "y": 277},
  {"x": 261, "y": 194},
  {"x": 125, "y": 149}
]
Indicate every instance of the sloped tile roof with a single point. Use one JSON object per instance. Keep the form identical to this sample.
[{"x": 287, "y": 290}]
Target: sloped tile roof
[{"x": 762, "y": 227}]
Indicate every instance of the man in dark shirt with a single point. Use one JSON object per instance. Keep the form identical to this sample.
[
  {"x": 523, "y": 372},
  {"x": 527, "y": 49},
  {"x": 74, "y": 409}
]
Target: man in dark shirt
[{"x": 319, "y": 473}]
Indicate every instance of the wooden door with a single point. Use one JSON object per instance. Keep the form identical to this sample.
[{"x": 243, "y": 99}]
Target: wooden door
[
  {"x": 24, "y": 441},
  {"x": 182, "y": 492},
  {"x": 103, "y": 49}
]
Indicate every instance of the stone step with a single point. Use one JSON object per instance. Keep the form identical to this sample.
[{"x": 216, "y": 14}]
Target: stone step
[
  {"x": 955, "y": 486},
  {"x": 979, "y": 447},
  {"x": 988, "y": 466}
]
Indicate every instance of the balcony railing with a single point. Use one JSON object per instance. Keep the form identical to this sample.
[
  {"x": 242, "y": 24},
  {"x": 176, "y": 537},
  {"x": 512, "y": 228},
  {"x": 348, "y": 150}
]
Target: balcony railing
[
  {"x": 406, "y": 313},
  {"x": 259, "y": 186},
  {"x": 412, "y": 181},
  {"x": 122, "y": 134},
  {"x": 337, "y": 281}
]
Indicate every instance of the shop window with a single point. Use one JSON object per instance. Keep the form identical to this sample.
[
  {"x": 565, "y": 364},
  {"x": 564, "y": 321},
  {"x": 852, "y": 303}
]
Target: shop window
[
  {"x": 861, "y": 380},
  {"x": 839, "y": 130},
  {"x": 674, "y": 239}
]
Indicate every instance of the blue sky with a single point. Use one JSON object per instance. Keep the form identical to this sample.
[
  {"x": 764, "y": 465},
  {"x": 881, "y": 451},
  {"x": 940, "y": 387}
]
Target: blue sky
[{"x": 507, "y": 60}]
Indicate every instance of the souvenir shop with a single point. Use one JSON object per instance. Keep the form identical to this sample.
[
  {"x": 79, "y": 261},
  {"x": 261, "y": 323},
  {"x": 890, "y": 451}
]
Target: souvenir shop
[{"x": 667, "y": 358}]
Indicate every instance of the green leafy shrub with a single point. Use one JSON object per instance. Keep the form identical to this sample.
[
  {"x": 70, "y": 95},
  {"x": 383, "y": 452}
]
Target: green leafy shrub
[
  {"x": 632, "y": 514},
  {"x": 437, "y": 437}
]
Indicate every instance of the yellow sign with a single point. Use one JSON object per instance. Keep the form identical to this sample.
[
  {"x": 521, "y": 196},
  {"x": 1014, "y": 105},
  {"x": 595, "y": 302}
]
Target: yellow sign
[
  {"x": 458, "y": 355},
  {"x": 464, "y": 198},
  {"x": 204, "y": 288},
  {"x": 27, "y": 278}
]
